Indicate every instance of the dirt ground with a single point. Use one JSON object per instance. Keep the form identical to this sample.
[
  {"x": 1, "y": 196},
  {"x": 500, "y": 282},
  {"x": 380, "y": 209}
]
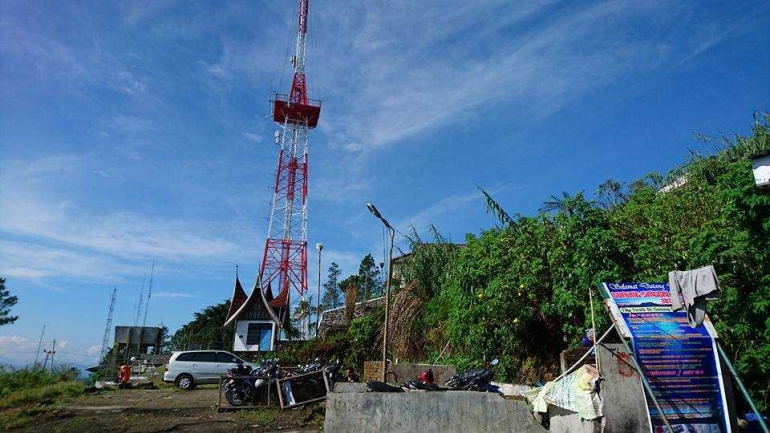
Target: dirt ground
[{"x": 167, "y": 410}]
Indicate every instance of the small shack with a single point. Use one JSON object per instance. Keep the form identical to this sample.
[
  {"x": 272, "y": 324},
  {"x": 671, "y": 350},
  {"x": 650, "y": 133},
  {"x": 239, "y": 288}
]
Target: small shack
[{"x": 136, "y": 341}]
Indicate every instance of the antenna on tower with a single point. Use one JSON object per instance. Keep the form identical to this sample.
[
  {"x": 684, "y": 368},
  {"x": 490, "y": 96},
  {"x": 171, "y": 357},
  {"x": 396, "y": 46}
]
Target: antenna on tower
[
  {"x": 107, "y": 327},
  {"x": 141, "y": 301},
  {"x": 149, "y": 295}
]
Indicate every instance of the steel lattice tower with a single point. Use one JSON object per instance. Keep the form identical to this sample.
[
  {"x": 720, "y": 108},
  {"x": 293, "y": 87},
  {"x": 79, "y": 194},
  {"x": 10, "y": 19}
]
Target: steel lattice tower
[
  {"x": 107, "y": 329},
  {"x": 284, "y": 263}
]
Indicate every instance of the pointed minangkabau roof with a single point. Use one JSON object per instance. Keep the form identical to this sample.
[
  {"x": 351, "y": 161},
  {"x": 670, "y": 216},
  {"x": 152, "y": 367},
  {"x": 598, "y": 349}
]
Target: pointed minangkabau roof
[
  {"x": 237, "y": 301},
  {"x": 279, "y": 301},
  {"x": 258, "y": 305}
]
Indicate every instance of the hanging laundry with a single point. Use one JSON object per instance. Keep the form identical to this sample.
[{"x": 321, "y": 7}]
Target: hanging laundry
[
  {"x": 575, "y": 391},
  {"x": 695, "y": 287}
]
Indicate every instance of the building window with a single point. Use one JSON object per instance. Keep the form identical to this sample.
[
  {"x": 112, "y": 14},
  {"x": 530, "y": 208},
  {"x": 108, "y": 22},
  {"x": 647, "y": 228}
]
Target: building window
[{"x": 259, "y": 333}]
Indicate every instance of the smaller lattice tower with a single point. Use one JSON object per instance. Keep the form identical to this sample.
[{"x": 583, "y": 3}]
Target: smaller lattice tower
[{"x": 108, "y": 327}]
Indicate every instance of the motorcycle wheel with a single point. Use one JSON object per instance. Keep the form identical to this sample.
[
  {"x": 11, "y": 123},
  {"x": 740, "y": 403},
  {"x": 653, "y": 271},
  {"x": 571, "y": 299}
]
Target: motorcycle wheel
[{"x": 235, "y": 397}]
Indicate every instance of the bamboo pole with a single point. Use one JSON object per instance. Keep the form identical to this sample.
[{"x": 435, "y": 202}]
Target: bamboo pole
[{"x": 593, "y": 326}]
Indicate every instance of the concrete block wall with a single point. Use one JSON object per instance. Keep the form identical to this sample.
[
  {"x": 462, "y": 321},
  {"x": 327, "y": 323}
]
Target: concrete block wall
[
  {"x": 420, "y": 412},
  {"x": 407, "y": 372},
  {"x": 372, "y": 371}
]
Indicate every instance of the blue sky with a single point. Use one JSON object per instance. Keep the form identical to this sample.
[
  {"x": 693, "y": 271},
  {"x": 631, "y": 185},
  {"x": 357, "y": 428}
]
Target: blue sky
[{"x": 136, "y": 131}]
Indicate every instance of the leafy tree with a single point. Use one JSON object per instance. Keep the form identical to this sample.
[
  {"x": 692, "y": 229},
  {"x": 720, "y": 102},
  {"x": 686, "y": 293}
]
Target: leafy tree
[
  {"x": 368, "y": 279},
  {"x": 302, "y": 314},
  {"x": 6, "y": 302},
  {"x": 610, "y": 194},
  {"x": 165, "y": 338},
  {"x": 332, "y": 293},
  {"x": 206, "y": 330}
]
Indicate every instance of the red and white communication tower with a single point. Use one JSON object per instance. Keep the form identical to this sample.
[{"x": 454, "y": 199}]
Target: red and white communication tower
[{"x": 284, "y": 264}]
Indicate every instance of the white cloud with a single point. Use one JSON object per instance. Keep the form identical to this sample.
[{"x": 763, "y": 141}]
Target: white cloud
[
  {"x": 13, "y": 340},
  {"x": 21, "y": 351}
]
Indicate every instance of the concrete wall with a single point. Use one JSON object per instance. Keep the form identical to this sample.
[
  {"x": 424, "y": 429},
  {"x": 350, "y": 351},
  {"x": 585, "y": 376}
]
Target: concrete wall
[
  {"x": 625, "y": 407},
  {"x": 406, "y": 372},
  {"x": 420, "y": 412},
  {"x": 565, "y": 421}
]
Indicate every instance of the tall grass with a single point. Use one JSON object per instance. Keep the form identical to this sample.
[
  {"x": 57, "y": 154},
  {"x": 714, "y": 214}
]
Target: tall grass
[{"x": 31, "y": 385}]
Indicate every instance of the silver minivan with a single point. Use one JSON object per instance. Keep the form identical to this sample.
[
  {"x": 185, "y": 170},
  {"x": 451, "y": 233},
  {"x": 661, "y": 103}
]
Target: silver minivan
[{"x": 198, "y": 367}]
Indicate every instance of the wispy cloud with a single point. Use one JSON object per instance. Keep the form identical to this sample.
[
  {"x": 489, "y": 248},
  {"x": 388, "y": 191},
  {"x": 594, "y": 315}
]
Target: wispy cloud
[
  {"x": 439, "y": 210},
  {"x": 60, "y": 235},
  {"x": 45, "y": 265},
  {"x": 174, "y": 295},
  {"x": 476, "y": 59},
  {"x": 257, "y": 138}
]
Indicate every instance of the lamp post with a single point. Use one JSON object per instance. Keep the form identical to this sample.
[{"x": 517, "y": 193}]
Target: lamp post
[
  {"x": 319, "y": 247},
  {"x": 392, "y": 231}
]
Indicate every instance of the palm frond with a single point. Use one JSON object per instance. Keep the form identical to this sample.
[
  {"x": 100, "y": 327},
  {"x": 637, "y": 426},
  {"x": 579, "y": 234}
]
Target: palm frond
[{"x": 497, "y": 210}]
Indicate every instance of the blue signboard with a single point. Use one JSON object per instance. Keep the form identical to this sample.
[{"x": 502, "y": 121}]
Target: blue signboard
[{"x": 679, "y": 362}]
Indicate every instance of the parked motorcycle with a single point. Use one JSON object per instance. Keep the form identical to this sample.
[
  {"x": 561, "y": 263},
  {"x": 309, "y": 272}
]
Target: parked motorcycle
[
  {"x": 377, "y": 386},
  {"x": 240, "y": 390},
  {"x": 424, "y": 382},
  {"x": 333, "y": 371},
  {"x": 477, "y": 379}
]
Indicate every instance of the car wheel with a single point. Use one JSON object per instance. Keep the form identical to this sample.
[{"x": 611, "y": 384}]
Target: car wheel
[{"x": 185, "y": 382}]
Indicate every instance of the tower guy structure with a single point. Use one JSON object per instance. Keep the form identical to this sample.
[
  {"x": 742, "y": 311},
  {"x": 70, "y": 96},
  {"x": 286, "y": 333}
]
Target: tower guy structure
[{"x": 284, "y": 263}]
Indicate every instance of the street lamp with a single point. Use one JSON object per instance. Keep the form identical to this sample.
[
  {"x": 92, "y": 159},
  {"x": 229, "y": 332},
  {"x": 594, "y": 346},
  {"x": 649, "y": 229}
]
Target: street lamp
[
  {"x": 392, "y": 231},
  {"x": 319, "y": 247}
]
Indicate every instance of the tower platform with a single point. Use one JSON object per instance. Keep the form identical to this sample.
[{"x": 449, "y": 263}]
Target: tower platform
[{"x": 283, "y": 110}]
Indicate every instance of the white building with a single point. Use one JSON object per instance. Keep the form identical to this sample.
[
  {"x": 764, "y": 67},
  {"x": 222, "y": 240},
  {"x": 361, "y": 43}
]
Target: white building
[{"x": 254, "y": 329}]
